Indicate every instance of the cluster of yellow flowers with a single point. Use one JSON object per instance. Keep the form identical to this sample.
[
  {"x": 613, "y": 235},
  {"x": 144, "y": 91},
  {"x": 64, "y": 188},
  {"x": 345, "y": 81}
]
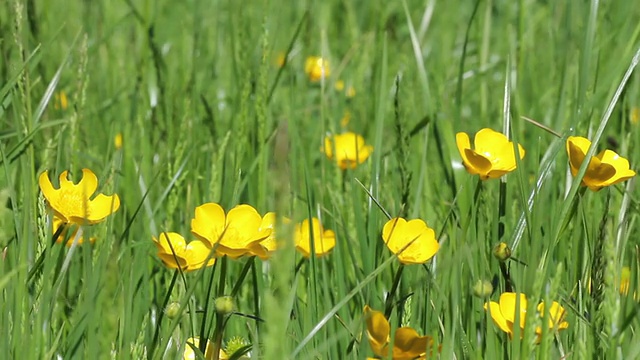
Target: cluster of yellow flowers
[{"x": 493, "y": 156}]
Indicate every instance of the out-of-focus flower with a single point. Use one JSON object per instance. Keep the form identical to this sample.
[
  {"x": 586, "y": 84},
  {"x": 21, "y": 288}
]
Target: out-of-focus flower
[
  {"x": 70, "y": 232},
  {"x": 235, "y": 234},
  {"x": 235, "y": 344},
  {"x": 350, "y": 149},
  {"x": 634, "y": 115},
  {"x": 407, "y": 344},
  {"x": 270, "y": 244},
  {"x": 504, "y": 313},
  {"x": 317, "y": 68},
  {"x": 60, "y": 101},
  {"x": 323, "y": 240},
  {"x": 75, "y": 203},
  {"x": 346, "y": 118},
  {"x": 412, "y": 241},
  {"x": 117, "y": 141},
  {"x": 189, "y": 354},
  {"x": 482, "y": 288},
  {"x": 350, "y": 90},
  {"x": 605, "y": 169},
  {"x": 492, "y": 155},
  {"x": 280, "y": 60},
  {"x": 176, "y": 253},
  {"x": 625, "y": 280}
]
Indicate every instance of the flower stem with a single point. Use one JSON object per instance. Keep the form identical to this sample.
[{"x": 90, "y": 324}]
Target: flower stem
[
  {"x": 156, "y": 335},
  {"x": 243, "y": 275},
  {"x": 388, "y": 303},
  {"x": 502, "y": 206},
  {"x": 204, "y": 315}
]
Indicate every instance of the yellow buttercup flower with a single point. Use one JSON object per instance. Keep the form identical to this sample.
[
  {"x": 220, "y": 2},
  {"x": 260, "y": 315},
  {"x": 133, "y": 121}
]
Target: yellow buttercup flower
[
  {"x": 189, "y": 354},
  {"x": 269, "y": 244},
  {"x": 350, "y": 90},
  {"x": 350, "y": 149},
  {"x": 176, "y": 253},
  {"x": 317, "y": 68},
  {"x": 504, "y": 313},
  {"x": 407, "y": 344},
  {"x": 323, "y": 240},
  {"x": 117, "y": 141},
  {"x": 634, "y": 115},
  {"x": 60, "y": 101},
  {"x": 492, "y": 155},
  {"x": 74, "y": 203},
  {"x": 70, "y": 232},
  {"x": 234, "y": 234},
  {"x": 412, "y": 241},
  {"x": 605, "y": 169}
]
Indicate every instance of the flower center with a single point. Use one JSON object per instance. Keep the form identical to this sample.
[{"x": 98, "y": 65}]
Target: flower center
[{"x": 72, "y": 202}]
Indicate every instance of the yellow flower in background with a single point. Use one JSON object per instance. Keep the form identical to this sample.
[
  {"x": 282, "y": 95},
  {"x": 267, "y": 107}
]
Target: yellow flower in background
[
  {"x": 346, "y": 118},
  {"x": 60, "y": 101},
  {"x": 407, "y": 343},
  {"x": 74, "y": 203},
  {"x": 117, "y": 141},
  {"x": 605, "y": 169},
  {"x": 270, "y": 244},
  {"x": 323, "y": 240},
  {"x": 634, "y": 115},
  {"x": 234, "y": 234},
  {"x": 176, "y": 253},
  {"x": 350, "y": 90},
  {"x": 412, "y": 241},
  {"x": 504, "y": 313},
  {"x": 625, "y": 280},
  {"x": 492, "y": 155},
  {"x": 280, "y": 59},
  {"x": 350, "y": 149},
  {"x": 316, "y": 68},
  {"x": 189, "y": 354},
  {"x": 69, "y": 232}
]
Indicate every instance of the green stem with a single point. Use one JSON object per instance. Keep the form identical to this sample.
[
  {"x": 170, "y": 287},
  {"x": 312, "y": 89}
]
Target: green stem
[
  {"x": 243, "y": 275},
  {"x": 388, "y": 304},
  {"x": 204, "y": 315},
  {"x": 156, "y": 335}
]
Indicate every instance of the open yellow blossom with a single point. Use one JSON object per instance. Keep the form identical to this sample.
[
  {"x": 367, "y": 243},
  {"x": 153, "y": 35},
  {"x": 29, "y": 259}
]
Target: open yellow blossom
[
  {"x": 189, "y": 354},
  {"x": 350, "y": 149},
  {"x": 412, "y": 241},
  {"x": 605, "y": 169},
  {"x": 504, "y": 313},
  {"x": 407, "y": 344},
  {"x": 317, "y": 68},
  {"x": 234, "y": 234},
  {"x": 70, "y": 232},
  {"x": 492, "y": 155},
  {"x": 74, "y": 203},
  {"x": 270, "y": 244},
  {"x": 323, "y": 240},
  {"x": 176, "y": 253}
]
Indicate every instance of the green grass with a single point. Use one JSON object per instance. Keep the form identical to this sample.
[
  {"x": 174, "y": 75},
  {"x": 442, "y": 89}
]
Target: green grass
[{"x": 207, "y": 116}]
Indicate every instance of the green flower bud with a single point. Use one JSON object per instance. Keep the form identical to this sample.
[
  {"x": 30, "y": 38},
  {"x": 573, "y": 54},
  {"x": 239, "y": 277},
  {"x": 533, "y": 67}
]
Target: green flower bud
[
  {"x": 502, "y": 252},
  {"x": 482, "y": 289},
  {"x": 172, "y": 310},
  {"x": 225, "y": 305}
]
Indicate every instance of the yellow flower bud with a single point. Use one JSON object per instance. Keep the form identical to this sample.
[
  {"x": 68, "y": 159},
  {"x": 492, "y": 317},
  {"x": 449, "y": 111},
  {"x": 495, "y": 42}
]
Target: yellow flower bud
[
  {"x": 482, "y": 288},
  {"x": 502, "y": 252}
]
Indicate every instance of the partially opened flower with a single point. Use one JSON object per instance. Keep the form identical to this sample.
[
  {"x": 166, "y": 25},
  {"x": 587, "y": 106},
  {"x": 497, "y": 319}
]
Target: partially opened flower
[
  {"x": 510, "y": 307},
  {"x": 69, "y": 232},
  {"x": 605, "y": 169},
  {"x": 407, "y": 344},
  {"x": 270, "y": 244},
  {"x": 234, "y": 234},
  {"x": 412, "y": 241},
  {"x": 317, "y": 68},
  {"x": 75, "y": 203},
  {"x": 350, "y": 149},
  {"x": 189, "y": 354},
  {"x": 491, "y": 156},
  {"x": 176, "y": 253},
  {"x": 323, "y": 240}
]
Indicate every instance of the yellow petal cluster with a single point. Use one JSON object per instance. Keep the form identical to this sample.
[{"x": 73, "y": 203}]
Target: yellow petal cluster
[
  {"x": 350, "y": 149},
  {"x": 317, "y": 68},
  {"x": 189, "y": 354},
  {"x": 491, "y": 156},
  {"x": 412, "y": 241},
  {"x": 605, "y": 169},
  {"x": 70, "y": 232},
  {"x": 75, "y": 203},
  {"x": 237, "y": 233},
  {"x": 323, "y": 240},
  {"x": 176, "y": 253},
  {"x": 407, "y": 344},
  {"x": 504, "y": 313}
]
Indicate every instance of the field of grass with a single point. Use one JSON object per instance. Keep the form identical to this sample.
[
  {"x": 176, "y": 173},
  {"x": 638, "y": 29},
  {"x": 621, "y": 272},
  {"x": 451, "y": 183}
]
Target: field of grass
[{"x": 178, "y": 104}]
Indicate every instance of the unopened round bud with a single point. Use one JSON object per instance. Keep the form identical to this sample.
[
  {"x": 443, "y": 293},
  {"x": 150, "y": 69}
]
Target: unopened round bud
[
  {"x": 502, "y": 252},
  {"x": 224, "y": 305},
  {"x": 482, "y": 288},
  {"x": 172, "y": 310}
]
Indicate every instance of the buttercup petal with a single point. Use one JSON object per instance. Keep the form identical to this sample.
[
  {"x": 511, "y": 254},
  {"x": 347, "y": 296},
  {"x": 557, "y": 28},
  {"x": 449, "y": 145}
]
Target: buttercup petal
[
  {"x": 196, "y": 253},
  {"x": 89, "y": 183},
  {"x": 324, "y": 240},
  {"x": 413, "y": 242},
  {"x": 243, "y": 222},
  {"x": 498, "y": 319},
  {"x": 209, "y": 223},
  {"x": 509, "y": 305},
  {"x": 478, "y": 164},
  {"x": 409, "y": 345},
  {"x": 487, "y": 141},
  {"x": 101, "y": 207},
  {"x": 463, "y": 143},
  {"x": 378, "y": 330}
]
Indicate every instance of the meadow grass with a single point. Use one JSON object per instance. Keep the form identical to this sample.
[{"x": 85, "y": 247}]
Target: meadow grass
[{"x": 207, "y": 115}]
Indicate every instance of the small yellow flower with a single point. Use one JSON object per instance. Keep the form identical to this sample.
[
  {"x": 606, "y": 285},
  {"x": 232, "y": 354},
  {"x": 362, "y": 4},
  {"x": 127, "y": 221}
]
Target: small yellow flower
[
  {"x": 235, "y": 234},
  {"x": 504, "y": 312},
  {"x": 189, "y": 354},
  {"x": 625, "y": 280},
  {"x": 69, "y": 232},
  {"x": 491, "y": 157},
  {"x": 407, "y": 344},
  {"x": 281, "y": 58},
  {"x": 634, "y": 116},
  {"x": 350, "y": 149},
  {"x": 605, "y": 169},
  {"x": 60, "y": 101},
  {"x": 74, "y": 203},
  {"x": 117, "y": 141},
  {"x": 323, "y": 240},
  {"x": 317, "y": 68},
  {"x": 345, "y": 119},
  {"x": 412, "y": 241},
  {"x": 176, "y": 253}
]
